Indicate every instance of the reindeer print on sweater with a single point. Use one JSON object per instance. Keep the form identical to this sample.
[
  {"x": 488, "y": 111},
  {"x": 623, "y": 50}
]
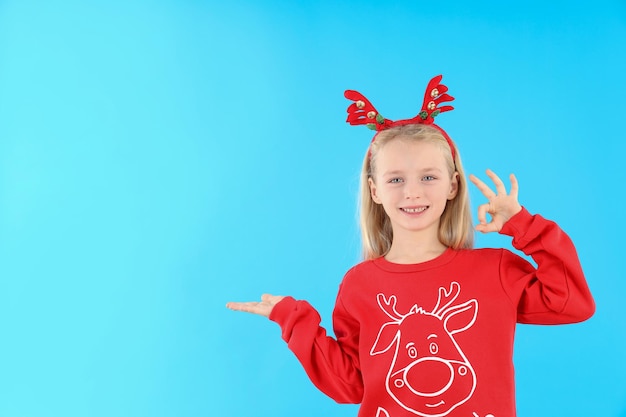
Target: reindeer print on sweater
[{"x": 429, "y": 374}]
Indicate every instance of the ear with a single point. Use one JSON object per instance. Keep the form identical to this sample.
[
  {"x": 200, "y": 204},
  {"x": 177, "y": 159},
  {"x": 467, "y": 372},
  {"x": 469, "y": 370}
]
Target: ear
[
  {"x": 459, "y": 318},
  {"x": 454, "y": 186},
  {"x": 388, "y": 336},
  {"x": 373, "y": 190}
]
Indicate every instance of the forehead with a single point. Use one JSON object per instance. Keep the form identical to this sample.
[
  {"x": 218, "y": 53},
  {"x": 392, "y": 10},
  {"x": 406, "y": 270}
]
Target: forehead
[{"x": 403, "y": 153}]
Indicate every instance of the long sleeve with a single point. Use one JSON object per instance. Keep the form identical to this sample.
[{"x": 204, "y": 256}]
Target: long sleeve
[
  {"x": 331, "y": 364},
  {"x": 555, "y": 292}
]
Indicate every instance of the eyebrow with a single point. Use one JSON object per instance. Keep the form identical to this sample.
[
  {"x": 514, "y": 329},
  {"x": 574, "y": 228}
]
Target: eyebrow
[
  {"x": 431, "y": 336},
  {"x": 423, "y": 170},
  {"x": 394, "y": 172}
]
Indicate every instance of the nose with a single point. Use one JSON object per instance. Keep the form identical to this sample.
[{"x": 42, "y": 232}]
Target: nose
[
  {"x": 430, "y": 377},
  {"x": 426, "y": 377},
  {"x": 412, "y": 189}
]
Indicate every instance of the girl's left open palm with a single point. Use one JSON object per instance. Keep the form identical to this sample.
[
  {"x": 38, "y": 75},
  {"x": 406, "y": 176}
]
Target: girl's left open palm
[
  {"x": 262, "y": 308},
  {"x": 501, "y": 205}
]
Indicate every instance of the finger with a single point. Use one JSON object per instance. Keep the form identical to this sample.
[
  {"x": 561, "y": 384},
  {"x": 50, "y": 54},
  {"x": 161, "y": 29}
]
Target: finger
[
  {"x": 487, "y": 228},
  {"x": 514, "y": 186},
  {"x": 241, "y": 305},
  {"x": 483, "y": 209},
  {"x": 500, "y": 188},
  {"x": 484, "y": 188},
  {"x": 248, "y": 307},
  {"x": 256, "y": 308}
]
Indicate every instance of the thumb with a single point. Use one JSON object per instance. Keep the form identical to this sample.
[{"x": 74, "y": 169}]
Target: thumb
[{"x": 490, "y": 227}]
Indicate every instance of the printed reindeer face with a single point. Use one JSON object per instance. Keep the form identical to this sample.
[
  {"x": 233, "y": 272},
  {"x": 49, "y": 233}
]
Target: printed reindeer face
[{"x": 429, "y": 375}]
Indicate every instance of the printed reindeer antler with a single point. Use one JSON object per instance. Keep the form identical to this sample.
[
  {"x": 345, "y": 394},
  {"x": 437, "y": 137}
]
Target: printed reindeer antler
[
  {"x": 362, "y": 112},
  {"x": 446, "y": 298}
]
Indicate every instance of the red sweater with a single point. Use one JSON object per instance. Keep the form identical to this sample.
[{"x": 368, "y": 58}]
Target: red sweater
[{"x": 436, "y": 338}]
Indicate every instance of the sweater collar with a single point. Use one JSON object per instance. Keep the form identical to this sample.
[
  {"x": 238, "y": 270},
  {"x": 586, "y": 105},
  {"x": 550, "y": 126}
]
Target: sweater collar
[{"x": 442, "y": 259}]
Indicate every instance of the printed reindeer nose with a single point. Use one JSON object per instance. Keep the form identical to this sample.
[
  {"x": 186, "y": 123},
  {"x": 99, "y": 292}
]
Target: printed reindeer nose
[{"x": 429, "y": 376}]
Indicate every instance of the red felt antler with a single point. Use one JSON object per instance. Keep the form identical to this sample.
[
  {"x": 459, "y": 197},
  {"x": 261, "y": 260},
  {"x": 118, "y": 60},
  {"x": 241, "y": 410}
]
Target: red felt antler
[
  {"x": 362, "y": 112},
  {"x": 435, "y": 95}
]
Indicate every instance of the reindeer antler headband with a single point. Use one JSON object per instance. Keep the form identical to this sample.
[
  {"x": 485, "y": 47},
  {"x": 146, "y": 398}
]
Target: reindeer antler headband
[{"x": 362, "y": 112}]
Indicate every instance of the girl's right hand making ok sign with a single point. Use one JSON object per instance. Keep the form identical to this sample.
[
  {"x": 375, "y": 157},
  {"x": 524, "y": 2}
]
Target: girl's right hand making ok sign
[{"x": 501, "y": 206}]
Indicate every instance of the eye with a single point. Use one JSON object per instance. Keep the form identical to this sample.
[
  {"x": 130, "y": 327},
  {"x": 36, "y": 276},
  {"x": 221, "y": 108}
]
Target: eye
[
  {"x": 395, "y": 180},
  {"x": 428, "y": 178},
  {"x": 412, "y": 352},
  {"x": 434, "y": 348}
]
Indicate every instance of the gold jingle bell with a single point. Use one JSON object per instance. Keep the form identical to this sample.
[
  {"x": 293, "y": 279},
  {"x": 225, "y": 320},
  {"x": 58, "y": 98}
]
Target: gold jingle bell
[
  {"x": 360, "y": 104},
  {"x": 371, "y": 114}
]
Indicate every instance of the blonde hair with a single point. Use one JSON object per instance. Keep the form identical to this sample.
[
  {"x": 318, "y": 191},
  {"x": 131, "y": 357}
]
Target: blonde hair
[{"x": 455, "y": 227}]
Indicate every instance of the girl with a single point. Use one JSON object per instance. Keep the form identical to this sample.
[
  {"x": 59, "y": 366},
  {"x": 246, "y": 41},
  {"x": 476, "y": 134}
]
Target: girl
[{"x": 424, "y": 325}]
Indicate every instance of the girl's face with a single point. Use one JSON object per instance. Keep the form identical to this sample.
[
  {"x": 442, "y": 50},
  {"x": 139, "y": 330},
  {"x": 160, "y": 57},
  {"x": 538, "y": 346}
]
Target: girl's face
[{"x": 413, "y": 185}]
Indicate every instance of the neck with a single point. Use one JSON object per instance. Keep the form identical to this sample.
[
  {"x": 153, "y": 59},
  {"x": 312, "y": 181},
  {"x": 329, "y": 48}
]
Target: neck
[{"x": 414, "y": 248}]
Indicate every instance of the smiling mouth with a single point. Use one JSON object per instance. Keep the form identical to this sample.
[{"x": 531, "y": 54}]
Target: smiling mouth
[
  {"x": 413, "y": 210},
  {"x": 436, "y": 405}
]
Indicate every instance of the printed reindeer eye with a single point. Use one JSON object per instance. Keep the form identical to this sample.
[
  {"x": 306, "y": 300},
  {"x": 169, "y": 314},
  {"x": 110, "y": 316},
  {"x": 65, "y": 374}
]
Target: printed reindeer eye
[
  {"x": 434, "y": 348},
  {"x": 412, "y": 352}
]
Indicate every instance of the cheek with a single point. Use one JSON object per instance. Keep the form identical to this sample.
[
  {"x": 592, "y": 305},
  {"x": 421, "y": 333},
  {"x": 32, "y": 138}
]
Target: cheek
[
  {"x": 391, "y": 193},
  {"x": 449, "y": 190}
]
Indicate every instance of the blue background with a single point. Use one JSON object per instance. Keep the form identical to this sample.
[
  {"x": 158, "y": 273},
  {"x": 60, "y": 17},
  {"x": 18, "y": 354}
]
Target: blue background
[{"x": 158, "y": 159}]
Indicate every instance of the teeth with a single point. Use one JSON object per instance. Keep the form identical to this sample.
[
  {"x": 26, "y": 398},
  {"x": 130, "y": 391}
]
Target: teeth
[{"x": 414, "y": 210}]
